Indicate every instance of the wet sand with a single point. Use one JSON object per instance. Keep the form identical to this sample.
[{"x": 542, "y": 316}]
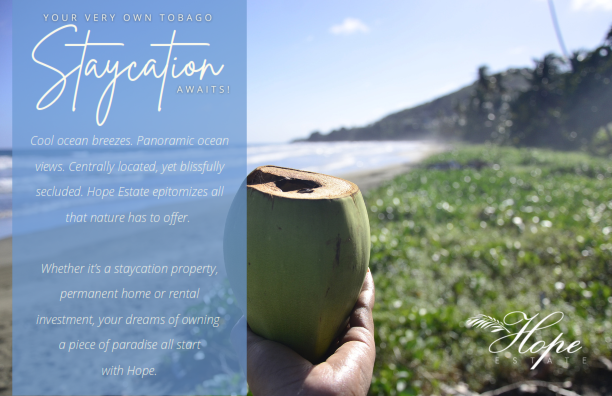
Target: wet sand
[
  {"x": 372, "y": 178},
  {"x": 367, "y": 180}
]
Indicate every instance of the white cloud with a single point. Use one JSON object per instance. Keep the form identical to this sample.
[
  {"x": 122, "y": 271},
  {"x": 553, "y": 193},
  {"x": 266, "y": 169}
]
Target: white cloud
[
  {"x": 588, "y": 5},
  {"x": 349, "y": 26}
]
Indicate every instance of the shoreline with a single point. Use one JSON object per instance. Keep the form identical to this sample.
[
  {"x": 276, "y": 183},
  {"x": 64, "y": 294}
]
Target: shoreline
[{"x": 372, "y": 178}]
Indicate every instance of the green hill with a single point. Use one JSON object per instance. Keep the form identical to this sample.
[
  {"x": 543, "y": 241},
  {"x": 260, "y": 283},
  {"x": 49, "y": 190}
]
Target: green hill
[{"x": 427, "y": 121}]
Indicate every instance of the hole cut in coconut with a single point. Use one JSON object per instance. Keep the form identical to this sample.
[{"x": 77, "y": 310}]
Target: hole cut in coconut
[{"x": 298, "y": 184}]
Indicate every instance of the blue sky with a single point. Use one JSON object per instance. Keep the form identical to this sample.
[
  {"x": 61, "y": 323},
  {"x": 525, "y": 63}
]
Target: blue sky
[
  {"x": 319, "y": 65},
  {"x": 5, "y": 74}
]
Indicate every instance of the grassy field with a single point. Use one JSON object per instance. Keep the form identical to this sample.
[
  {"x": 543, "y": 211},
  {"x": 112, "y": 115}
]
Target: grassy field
[{"x": 490, "y": 230}]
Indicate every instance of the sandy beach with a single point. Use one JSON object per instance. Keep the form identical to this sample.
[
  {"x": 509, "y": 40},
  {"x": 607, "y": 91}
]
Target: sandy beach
[{"x": 365, "y": 180}]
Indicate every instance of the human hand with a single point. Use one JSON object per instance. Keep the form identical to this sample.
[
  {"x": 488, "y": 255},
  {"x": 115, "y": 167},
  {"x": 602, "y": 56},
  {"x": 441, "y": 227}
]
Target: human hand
[{"x": 274, "y": 369}]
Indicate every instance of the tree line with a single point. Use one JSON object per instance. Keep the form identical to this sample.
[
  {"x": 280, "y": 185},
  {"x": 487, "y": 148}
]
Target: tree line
[{"x": 567, "y": 105}]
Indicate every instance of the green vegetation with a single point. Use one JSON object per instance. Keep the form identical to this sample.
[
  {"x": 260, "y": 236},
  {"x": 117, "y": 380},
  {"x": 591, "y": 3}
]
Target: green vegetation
[
  {"x": 438, "y": 118},
  {"x": 565, "y": 106},
  {"x": 531, "y": 231}
]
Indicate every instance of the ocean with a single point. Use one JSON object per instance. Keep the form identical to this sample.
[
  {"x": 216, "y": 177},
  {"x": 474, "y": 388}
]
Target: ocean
[
  {"x": 333, "y": 158},
  {"x": 6, "y": 202},
  {"x": 337, "y": 158}
]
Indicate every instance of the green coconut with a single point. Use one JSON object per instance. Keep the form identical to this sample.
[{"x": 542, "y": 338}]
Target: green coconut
[{"x": 308, "y": 249}]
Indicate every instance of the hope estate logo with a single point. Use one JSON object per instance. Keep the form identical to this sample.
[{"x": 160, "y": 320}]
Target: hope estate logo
[{"x": 525, "y": 333}]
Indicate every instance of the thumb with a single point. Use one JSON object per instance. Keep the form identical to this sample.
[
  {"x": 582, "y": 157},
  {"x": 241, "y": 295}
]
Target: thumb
[{"x": 273, "y": 368}]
